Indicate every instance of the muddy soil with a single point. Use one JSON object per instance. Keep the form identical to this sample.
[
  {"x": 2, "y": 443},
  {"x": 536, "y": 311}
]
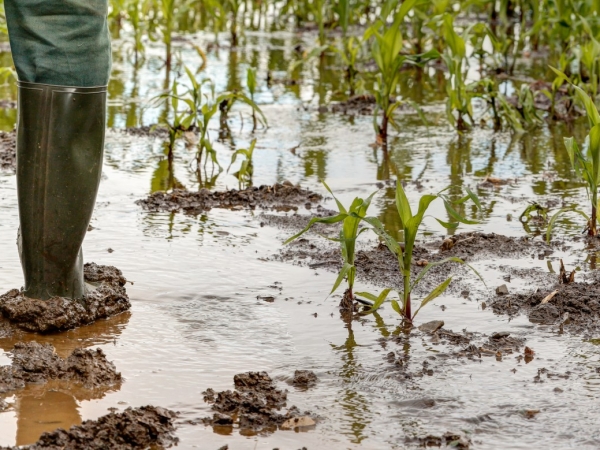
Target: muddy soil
[
  {"x": 449, "y": 345},
  {"x": 254, "y": 404},
  {"x": 8, "y": 150},
  {"x": 574, "y": 306},
  {"x": 358, "y": 105},
  {"x": 133, "y": 429},
  {"x": 39, "y": 363},
  {"x": 379, "y": 266},
  {"x": 280, "y": 197},
  {"x": 304, "y": 379},
  {"x": 147, "y": 131},
  {"x": 58, "y": 314},
  {"x": 447, "y": 440}
]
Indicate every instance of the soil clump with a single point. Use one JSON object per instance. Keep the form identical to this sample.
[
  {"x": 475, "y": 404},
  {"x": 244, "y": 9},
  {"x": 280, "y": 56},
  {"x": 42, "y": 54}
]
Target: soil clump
[
  {"x": 254, "y": 404},
  {"x": 281, "y": 197},
  {"x": 134, "y": 428},
  {"x": 147, "y": 131},
  {"x": 8, "y": 150},
  {"x": 575, "y": 306},
  {"x": 39, "y": 363},
  {"x": 447, "y": 440},
  {"x": 304, "y": 379},
  {"x": 58, "y": 314}
]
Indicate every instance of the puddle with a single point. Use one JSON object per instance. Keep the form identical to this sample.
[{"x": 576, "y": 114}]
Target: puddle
[{"x": 199, "y": 317}]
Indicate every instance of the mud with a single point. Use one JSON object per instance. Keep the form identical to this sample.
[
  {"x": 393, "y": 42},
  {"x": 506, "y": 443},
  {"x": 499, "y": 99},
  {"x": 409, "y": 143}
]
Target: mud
[
  {"x": 358, "y": 105},
  {"x": 574, "y": 306},
  {"x": 254, "y": 404},
  {"x": 8, "y": 150},
  {"x": 134, "y": 428},
  {"x": 39, "y": 363},
  {"x": 147, "y": 131},
  {"x": 447, "y": 440},
  {"x": 281, "y": 197},
  {"x": 304, "y": 379},
  {"x": 58, "y": 314}
]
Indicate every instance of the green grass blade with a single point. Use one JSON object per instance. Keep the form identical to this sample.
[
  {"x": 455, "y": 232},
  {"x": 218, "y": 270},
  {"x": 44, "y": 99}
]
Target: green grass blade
[{"x": 439, "y": 290}]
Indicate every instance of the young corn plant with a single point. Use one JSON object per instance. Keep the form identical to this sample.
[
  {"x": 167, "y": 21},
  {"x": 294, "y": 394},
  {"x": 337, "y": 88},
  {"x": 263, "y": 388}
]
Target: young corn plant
[
  {"x": 404, "y": 251},
  {"x": 586, "y": 165},
  {"x": 459, "y": 93},
  {"x": 350, "y": 219},
  {"x": 386, "y": 50},
  {"x": 246, "y": 170},
  {"x": 251, "y": 84}
]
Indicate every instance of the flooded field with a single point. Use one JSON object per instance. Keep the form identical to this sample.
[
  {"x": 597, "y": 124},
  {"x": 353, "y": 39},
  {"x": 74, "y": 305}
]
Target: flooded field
[{"x": 216, "y": 294}]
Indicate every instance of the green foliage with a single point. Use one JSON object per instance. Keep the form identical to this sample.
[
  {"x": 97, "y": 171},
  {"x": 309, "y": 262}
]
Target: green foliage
[
  {"x": 246, "y": 170},
  {"x": 350, "y": 219},
  {"x": 410, "y": 224},
  {"x": 586, "y": 165}
]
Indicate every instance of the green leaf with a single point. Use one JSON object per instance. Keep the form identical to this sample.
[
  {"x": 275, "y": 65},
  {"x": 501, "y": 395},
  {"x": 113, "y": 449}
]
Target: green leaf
[
  {"x": 439, "y": 290},
  {"x": 346, "y": 268},
  {"x": 448, "y": 225},
  {"x": 429, "y": 266},
  {"x": 396, "y": 307},
  {"x": 314, "y": 220}
]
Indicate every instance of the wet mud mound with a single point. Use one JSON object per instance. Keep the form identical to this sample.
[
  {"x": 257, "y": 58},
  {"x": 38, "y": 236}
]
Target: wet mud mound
[
  {"x": 39, "y": 363},
  {"x": 447, "y": 440},
  {"x": 281, "y": 197},
  {"x": 58, "y": 314},
  {"x": 255, "y": 404},
  {"x": 8, "y": 150},
  {"x": 575, "y": 306},
  {"x": 147, "y": 131},
  {"x": 134, "y": 428},
  {"x": 474, "y": 246},
  {"x": 356, "y": 105}
]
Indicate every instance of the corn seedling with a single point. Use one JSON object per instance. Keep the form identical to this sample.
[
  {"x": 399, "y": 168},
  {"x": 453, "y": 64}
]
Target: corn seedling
[
  {"x": 251, "y": 84},
  {"x": 386, "y": 50},
  {"x": 459, "y": 94},
  {"x": 404, "y": 251},
  {"x": 350, "y": 219},
  {"x": 246, "y": 170},
  {"x": 586, "y": 165}
]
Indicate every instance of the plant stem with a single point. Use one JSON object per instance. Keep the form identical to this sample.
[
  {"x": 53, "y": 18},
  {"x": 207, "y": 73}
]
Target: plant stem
[
  {"x": 592, "y": 228},
  {"x": 407, "y": 303}
]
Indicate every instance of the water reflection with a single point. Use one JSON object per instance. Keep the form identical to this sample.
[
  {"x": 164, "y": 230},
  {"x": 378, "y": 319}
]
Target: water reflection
[
  {"x": 354, "y": 404},
  {"x": 55, "y": 404}
]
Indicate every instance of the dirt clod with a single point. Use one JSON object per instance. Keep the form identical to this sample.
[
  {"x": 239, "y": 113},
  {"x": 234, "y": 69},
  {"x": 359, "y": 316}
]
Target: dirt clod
[
  {"x": 304, "y": 379},
  {"x": 281, "y": 197},
  {"x": 254, "y": 404},
  {"x": 8, "y": 150},
  {"x": 39, "y": 363},
  {"x": 431, "y": 327},
  {"x": 132, "y": 429},
  {"x": 58, "y": 314}
]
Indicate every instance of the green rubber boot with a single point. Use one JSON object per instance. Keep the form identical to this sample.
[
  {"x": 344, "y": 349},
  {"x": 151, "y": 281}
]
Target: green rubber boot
[{"x": 60, "y": 145}]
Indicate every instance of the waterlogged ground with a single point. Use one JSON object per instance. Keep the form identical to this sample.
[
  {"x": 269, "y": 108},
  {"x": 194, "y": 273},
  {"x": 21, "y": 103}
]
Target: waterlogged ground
[{"x": 198, "y": 283}]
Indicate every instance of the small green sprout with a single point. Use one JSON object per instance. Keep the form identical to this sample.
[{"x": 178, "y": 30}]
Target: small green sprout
[{"x": 351, "y": 229}]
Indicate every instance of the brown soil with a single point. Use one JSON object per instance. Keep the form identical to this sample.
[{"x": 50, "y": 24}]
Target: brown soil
[
  {"x": 8, "y": 150},
  {"x": 38, "y": 363},
  {"x": 281, "y": 197},
  {"x": 380, "y": 267},
  {"x": 134, "y": 428},
  {"x": 148, "y": 131},
  {"x": 59, "y": 314},
  {"x": 448, "y": 440},
  {"x": 254, "y": 404},
  {"x": 575, "y": 306},
  {"x": 304, "y": 379},
  {"x": 358, "y": 105}
]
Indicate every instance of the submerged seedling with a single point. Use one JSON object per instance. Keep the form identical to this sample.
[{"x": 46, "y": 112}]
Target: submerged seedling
[
  {"x": 246, "y": 170},
  {"x": 350, "y": 218}
]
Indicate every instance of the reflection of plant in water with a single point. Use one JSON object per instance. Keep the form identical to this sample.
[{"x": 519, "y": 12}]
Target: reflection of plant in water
[
  {"x": 246, "y": 170},
  {"x": 350, "y": 219},
  {"x": 404, "y": 251},
  {"x": 351, "y": 401}
]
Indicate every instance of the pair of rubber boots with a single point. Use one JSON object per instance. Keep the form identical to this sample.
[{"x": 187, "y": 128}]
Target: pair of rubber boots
[{"x": 60, "y": 145}]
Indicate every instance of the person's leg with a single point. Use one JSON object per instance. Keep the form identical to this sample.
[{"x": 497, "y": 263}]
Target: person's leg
[{"x": 61, "y": 51}]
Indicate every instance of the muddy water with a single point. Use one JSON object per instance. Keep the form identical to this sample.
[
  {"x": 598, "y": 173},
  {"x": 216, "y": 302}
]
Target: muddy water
[{"x": 196, "y": 319}]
